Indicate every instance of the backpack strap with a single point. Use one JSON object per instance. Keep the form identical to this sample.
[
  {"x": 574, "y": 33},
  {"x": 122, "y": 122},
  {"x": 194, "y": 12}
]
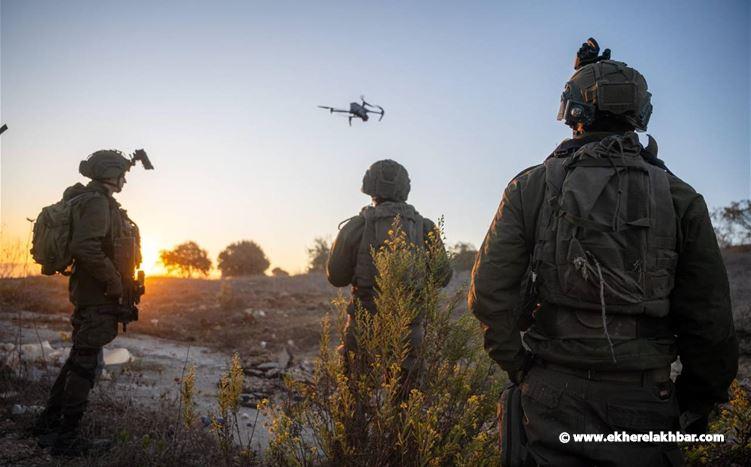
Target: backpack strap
[
  {"x": 86, "y": 195},
  {"x": 555, "y": 173}
]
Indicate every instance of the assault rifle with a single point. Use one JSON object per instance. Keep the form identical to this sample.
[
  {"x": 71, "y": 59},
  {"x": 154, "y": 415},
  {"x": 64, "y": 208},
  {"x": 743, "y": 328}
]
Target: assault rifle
[{"x": 133, "y": 287}]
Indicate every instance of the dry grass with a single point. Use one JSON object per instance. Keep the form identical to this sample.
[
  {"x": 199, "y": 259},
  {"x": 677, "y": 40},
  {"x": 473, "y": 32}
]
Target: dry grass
[{"x": 140, "y": 436}]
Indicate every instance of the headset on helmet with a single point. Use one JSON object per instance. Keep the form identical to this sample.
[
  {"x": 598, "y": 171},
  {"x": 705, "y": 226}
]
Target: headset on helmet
[{"x": 603, "y": 88}]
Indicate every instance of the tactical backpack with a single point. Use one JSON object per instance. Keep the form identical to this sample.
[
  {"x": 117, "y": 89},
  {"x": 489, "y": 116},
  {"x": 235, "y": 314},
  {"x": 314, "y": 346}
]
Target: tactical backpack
[
  {"x": 379, "y": 221},
  {"x": 52, "y": 233},
  {"x": 606, "y": 236}
]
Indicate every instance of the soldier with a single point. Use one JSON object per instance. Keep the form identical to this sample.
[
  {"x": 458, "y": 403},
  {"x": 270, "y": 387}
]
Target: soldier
[
  {"x": 350, "y": 261},
  {"x": 95, "y": 289},
  {"x": 609, "y": 266}
]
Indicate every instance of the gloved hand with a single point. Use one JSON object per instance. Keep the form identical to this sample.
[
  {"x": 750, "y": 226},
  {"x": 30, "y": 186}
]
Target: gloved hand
[
  {"x": 114, "y": 289},
  {"x": 517, "y": 376},
  {"x": 694, "y": 422}
]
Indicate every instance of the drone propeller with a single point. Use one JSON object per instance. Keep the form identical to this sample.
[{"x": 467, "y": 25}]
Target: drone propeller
[
  {"x": 380, "y": 111},
  {"x": 332, "y": 110}
]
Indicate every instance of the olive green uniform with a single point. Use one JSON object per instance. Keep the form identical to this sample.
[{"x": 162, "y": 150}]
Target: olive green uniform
[
  {"x": 574, "y": 384},
  {"x": 350, "y": 263},
  {"x": 94, "y": 287}
]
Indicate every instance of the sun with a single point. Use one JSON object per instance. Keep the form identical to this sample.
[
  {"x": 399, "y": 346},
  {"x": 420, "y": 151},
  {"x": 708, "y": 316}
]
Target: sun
[{"x": 150, "y": 264}]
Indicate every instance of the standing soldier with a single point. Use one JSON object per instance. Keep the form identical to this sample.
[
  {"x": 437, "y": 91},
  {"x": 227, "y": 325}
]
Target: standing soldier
[
  {"x": 104, "y": 247},
  {"x": 620, "y": 273},
  {"x": 350, "y": 261}
]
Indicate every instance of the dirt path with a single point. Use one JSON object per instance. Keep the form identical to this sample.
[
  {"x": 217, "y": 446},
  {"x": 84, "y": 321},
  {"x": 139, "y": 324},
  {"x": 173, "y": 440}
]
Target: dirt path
[{"x": 152, "y": 375}]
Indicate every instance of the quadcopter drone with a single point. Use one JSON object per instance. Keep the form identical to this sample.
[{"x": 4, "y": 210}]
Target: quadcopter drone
[{"x": 360, "y": 111}]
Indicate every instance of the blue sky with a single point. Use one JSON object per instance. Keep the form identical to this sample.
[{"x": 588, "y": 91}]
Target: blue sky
[{"x": 223, "y": 97}]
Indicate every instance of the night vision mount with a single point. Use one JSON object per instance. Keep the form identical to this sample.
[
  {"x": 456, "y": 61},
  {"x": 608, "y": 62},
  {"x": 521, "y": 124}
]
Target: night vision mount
[
  {"x": 140, "y": 155},
  {"x": 589, "y": 53}
]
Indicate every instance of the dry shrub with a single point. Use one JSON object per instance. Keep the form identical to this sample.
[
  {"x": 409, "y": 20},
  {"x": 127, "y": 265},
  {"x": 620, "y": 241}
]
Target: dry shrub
[
  {"x": 140, "y": 435},
  {"x": 15, "y": 260},
  {"x": 367, "y": 412},
  {"x": 228, "y": 298},
  {"x": 734, "y": 420}
]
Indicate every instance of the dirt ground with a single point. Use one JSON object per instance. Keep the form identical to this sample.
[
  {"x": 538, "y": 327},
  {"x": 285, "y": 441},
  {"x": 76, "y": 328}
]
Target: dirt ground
[
  {"x": 254, "y": 316},
  {"x": 273, "y": 323}
]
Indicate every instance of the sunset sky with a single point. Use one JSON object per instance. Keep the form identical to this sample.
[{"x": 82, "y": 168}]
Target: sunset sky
[{"x": 223, "y": 96}]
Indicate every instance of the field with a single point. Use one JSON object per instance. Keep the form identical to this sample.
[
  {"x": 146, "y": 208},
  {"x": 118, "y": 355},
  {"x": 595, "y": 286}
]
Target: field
[{"x": 272, "y": 323}]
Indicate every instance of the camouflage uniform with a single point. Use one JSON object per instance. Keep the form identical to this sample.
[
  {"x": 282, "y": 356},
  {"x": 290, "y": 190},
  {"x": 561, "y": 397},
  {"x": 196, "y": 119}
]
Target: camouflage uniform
[
  {"x": 569, "y": 379},
  {"x": 94, "y": 288},
  {"x": 350, "y": 261}
]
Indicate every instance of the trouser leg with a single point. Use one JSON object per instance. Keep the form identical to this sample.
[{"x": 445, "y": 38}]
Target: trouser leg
[
  {"x": 413, "y": 363},
  {"x": 56, "y": 397},
  {"x": 554, "y": 403},
  {"x": 80, "y": 381}
]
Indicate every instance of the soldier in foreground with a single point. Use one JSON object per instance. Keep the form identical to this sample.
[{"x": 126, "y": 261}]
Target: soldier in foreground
[
  {"x": 105, "y": 249},
  {"x": 609, "y": 266},
  {"x": 350, "y": 261}
]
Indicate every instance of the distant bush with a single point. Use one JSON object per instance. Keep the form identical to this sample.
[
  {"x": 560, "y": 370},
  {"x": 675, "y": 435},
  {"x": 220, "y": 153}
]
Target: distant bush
[
  {"x": 244, "y": 258},
  {"x": 463, "y": 256},
  {"x": 318, "y": 254},
  {"x": 227, "y": 298},
  {"x": 732, "y": 224},
  {"x": 279, "y": 272},
  {"x": 186, "y": 259},
  {"x": 365, "y": 412}
]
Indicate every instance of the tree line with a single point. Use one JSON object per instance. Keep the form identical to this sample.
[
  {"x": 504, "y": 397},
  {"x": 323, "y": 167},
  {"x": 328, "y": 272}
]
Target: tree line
[
  {"x": 247, "y": 258},
  {"x": 732, "y": 226}
]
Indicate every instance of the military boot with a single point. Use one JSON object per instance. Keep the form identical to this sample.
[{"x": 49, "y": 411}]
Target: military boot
[
  {"x": 48, "y": 422},
  {"x": 46, "y": 427},
  {"x": 68, "y": 441}
]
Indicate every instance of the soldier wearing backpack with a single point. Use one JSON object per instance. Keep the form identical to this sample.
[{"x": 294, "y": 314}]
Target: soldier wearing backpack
[
  {"x": 89, "y": 228},
  {"x": 350, "y": 261},
  {"x": 598, "y": 270}
]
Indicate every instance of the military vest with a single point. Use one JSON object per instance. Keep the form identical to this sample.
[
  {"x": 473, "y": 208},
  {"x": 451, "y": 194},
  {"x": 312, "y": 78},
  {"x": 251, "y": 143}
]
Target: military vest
[
  {"x": 379, "y": 221},
  {"x": 120, "y": 226},
  {"x": 606, "y": 235}
]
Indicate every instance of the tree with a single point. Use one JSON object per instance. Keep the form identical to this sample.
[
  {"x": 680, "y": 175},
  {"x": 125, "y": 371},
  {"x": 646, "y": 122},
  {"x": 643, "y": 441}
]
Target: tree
[
  {"x": 243, "y": 258},
  {"x": 186, "y": 259},
  {"x": 732, "y": 223},
  {"x": 279, "y": 272},
  {"x": 318, "y": 254},
  {"x": 463, "y": 256}
]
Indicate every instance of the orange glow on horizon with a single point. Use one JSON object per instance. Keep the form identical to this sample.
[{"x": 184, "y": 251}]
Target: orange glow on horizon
[{"x": 150, "y": 264}]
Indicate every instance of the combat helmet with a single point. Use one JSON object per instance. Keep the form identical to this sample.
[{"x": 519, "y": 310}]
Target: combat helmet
[
  {"x": 601, "y": 89},
  {"x": 386, "y": 179},
  {"x": 107, "y": 163}
]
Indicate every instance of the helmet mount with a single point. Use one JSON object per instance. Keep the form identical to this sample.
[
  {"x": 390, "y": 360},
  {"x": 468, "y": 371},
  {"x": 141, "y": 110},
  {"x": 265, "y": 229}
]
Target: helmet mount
[{"x": 604, "y": 92}]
